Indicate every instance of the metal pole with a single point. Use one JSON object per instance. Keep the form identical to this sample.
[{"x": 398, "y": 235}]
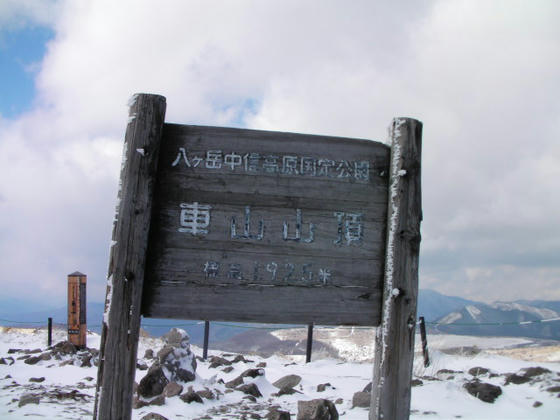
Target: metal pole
[
  {"x": 206, "y": 334},
  {"x": 309, "y": 343},
  {"x": 424, "y": 342},
  {"x": 49, "y": 334}
]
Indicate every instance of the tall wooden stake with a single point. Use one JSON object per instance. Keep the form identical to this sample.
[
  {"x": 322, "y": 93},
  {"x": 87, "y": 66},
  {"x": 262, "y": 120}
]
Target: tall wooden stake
[
  {"x": 309, "y": 343},
  {"x": 424, "y": 342},
  {"x": 206, "y": 335},
  {"x": 121, "y": 322},
  {"x": 49, "y": 331},
  {"x": 394, "y": 343}
]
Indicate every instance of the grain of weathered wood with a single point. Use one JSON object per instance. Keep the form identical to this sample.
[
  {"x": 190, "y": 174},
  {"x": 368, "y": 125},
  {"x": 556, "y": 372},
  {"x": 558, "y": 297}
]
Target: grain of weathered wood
[
  {"x": 333, "y": 184},
  {"x": 394, "y": 351},
  {"x": 121, "y": 326}
]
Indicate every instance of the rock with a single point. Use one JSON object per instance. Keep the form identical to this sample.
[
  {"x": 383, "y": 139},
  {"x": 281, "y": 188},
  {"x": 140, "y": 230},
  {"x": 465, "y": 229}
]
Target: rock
[
  {"x": 514, "y": 378},
  {"x": 177, "y": 337},
  {"x": 447, "y": 371},
  {"x": 12, "y": 351},
  {"x": 153, "y": 383},
  {"x": 483, "y": 391},
  {"x": 361, "y": 399},
  {"x": 28, "y": 399},
  {"x": 34, "y": 351},
  {"x": 477, "y": 371},
  {"x": 534, "y": 371},
  {"x": 339, "y": 401},
  {"x": 45, "y": 356},
  {"x": 276, "y": 414},
  {"x": 141, "y": 366},
  {"x": 164, "y": 352},
  {"x": 250, "y": 389},
  {"x": 261, "y": 365},
  {"x": 285, "y": 391},
  {"x": 416, "y": 382},
  {"x": 207, "y": 394},
  {"x": 138, "y": 403},
  {"x": 149, "y": 354},
  {"x": 537, "y": 404},
  {"x": 33, "y": 360},
  {"x": 64, "y": 347},
  {"x": 318, "y": 409},
  {"x": 172, "y": 389},
  {"x": 367, "y": 388},
  {"x": 7, "y": 361},
  {"x": 249, "y": 373},
  {"x": 553, "y": 389},
  {"x": 159, "y": 400},
  {"x": 323, "y": 387},
  {"x": 227, "y": 369},
  {"x": 191, "y": 396},
  {"x": 38, "y": 380},
  {"x": 289, "y": 381},
  {"x": 153, "y": 416},
  {"x": 216, "y": 361},
  {"x": 85, "y": 360}
]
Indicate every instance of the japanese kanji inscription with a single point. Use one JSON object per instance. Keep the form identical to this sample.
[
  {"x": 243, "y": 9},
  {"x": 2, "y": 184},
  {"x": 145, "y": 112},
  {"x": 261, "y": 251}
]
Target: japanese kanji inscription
[{"x": 267, "y": 216}]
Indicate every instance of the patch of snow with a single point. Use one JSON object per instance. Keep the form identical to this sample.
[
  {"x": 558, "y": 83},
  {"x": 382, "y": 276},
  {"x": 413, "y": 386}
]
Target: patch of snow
[
  {"x": 473, "y": 311},
  {"x": 542, "y": 313}
]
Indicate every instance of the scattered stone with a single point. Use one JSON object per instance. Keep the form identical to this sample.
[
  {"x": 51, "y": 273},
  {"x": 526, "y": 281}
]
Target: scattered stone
[
  {"x": 66, "y": 362},
  {"x": 137, "y": 403},
  {"x": 240, "y": 358},
  {"x": 159, "y": 400},
  {"x": 250, "y": 398},
  {"x": 34, "y": 351},
  {"x": 276, "y": 414},
  {"x": 29, "y": 399},
  {"x": 477, "y": 371},
  {"x": 534, "y": 371},
  {"x": 207, "y": 394},
  {"x": 7, "y": 361},
  {"x": 217, "y": 361},
  {"x": 361, "y": 399},
  {"x": 323, "y": 387},
  {"x": 227, "y": 369},
  {"x": 250, "y": 389},
  {"x": 12, "y": 351},
  {"x": 537, "y": 404},
  {"x": 191, "y": 396},
  {"x": 38, "y": 380},
  {"x": 153, "y": 383},
  {"x": 8, "y": 377},
  {"x": 45, "y": 356},
  {"x": 172, "y": 389},
  {"x": 141, "y": 366},
  {"x": 33, "y": 360},
  {"x": 153, "y": 416},
  {"x": 149, "y": 354},
  {"x": 88, "y": 378},
  {"x": 64, "y": 347},
  {"x": 319, "y": 409},
  {"x": 339, "y": 401},
  {"x": 367, "y": 388},
  {"x": 261, "y": 365},
  {"x": 514, "y": 378},
  {"x": 553, "y": 389},
  {"x": 483, "y": 391},
  {"x": 289, "y": 381},
  {"x": 443, "y": 371},
  {"x": 249, "y": 373},
  {"x": 285, "y": 391},
  {"x": 416, "y": 382}
]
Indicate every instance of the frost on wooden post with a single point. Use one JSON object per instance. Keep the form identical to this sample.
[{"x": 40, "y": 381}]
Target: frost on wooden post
[
  {"x": 108, "y": 300},
  {"x": 395, "y": 169}
]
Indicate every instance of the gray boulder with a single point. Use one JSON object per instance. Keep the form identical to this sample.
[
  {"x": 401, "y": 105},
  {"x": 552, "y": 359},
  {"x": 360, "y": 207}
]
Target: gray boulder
[
  {"x": 153, "y": 383},
  {"x": 361, "y": 399},
  {"x": 483, "y": 391},
  {"x": 318, "y": 409},
  {"x": 288, "y": 381}
]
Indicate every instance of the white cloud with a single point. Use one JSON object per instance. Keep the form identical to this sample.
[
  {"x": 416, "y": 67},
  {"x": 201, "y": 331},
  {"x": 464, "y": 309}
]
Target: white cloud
[{"x": 482, "y": 76}]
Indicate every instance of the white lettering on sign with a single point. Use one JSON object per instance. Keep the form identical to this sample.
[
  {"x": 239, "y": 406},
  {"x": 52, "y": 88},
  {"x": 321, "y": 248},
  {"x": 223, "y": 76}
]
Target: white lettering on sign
[
  {"x": 246, "y": 227},
  {"x": 297, "y": 237},
  {"x": 287, "y": 165},
  {"x": 350, "y": 226},
  {"x": 194, "y": 218}
]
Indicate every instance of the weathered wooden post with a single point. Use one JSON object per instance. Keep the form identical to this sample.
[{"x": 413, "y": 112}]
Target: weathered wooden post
[
  {"x": 309, "y": 348},
  {"x": 206, "y": 335},
  {"x": 424, "y": 342},
  {"x": 121, "y": 323},
  {"x": 77, "y": 304},
  {"x": 394, "y": 344},
  {"x": 49, "y": 332}
]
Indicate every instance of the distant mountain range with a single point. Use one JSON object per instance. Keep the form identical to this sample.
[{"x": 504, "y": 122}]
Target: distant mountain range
[{"x": 453, "y": 315}]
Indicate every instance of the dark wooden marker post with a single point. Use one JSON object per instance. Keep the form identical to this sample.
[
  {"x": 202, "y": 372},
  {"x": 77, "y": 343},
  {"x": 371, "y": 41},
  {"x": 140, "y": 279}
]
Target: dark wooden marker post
[
  {"x": 121, "y": 326},
  {"x": 206, "y": 335},
  {"x": 394, "y": 344},
  {"x": 49, "y": 333},
  {"x": 309, "y": 343},
  {"x": 424, "y": 342}
]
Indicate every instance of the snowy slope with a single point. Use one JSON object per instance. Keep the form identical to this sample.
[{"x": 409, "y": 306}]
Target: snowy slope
[{"x": 67, "y": 391}]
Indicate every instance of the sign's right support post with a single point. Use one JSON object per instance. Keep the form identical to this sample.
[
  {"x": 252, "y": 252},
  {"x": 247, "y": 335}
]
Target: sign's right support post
[{"x": 394, "y": 342}]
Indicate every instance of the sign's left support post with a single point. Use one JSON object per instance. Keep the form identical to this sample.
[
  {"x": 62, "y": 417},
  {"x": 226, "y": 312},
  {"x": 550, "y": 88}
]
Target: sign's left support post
[{"x": 121, "y": 321}]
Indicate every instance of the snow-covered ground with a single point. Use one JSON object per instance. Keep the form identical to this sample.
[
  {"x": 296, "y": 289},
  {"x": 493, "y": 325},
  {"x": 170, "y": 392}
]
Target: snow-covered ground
[{"x": 67, "y": 391}]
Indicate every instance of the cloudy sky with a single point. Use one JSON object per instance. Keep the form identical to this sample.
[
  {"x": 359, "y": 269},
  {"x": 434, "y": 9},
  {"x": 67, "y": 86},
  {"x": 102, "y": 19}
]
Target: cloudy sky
[{"x": 483, "y": 76}]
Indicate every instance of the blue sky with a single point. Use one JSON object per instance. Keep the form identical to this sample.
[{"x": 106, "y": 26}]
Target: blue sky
[
  {"x": 21, "y": 52},
  {"x": 484, "y": 77}
]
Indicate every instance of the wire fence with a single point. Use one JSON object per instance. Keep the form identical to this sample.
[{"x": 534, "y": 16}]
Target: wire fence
[{"x": 279, "y": 327}]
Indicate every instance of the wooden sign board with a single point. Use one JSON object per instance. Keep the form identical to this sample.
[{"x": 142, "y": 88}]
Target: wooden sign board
[
  {"x": 267, "y": 227},
  {"x": 243, "y": 225}
]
